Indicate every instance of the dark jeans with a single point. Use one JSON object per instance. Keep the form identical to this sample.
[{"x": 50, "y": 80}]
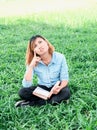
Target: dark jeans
[{"x": 26, "y": 94}]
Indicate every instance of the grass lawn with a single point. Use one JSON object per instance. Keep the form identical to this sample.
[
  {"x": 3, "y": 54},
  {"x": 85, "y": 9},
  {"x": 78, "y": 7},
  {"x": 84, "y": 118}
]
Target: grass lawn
[{"x": 73, "y": 33}]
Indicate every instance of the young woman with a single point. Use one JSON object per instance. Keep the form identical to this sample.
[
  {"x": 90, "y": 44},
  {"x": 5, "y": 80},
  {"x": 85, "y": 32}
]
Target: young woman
[{"x": 50, "y": 67}]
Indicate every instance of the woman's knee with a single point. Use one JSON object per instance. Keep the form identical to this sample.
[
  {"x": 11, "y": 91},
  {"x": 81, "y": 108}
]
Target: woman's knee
[
  {"x": 26, "y": 93},
  {"x": 66, "y": 92},
  {"x": 21, "y": 92}
]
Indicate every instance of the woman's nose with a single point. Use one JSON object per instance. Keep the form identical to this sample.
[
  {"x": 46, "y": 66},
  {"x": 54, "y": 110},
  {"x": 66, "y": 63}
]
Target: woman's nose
[{"x": 39, "y": 46}]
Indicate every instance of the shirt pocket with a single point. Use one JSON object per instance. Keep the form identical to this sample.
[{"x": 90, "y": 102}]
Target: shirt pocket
[{"x": 55, "y": 75}]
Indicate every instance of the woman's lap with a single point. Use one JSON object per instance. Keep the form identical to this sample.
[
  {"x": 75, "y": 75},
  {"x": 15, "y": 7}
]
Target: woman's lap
[{"x": 26, "y": 94}]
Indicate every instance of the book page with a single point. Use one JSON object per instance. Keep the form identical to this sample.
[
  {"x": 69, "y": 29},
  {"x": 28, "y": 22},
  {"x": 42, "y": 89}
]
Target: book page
[{"x": 41, "y": 91}]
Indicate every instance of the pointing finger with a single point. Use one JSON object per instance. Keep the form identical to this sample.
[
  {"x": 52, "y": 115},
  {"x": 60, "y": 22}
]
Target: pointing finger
[{"x": 34, "y": 53}]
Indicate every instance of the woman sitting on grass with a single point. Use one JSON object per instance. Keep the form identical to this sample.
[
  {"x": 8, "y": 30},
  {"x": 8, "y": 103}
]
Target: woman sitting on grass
[{"x": 50, "y": 67}]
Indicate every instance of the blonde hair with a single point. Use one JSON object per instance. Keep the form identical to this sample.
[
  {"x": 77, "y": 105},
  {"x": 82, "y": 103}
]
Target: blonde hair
[{"x": 30, "y": 48}]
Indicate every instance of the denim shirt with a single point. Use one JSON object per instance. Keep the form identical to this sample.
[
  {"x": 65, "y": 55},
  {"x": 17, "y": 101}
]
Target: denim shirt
[{"x": 48, "y": 75}]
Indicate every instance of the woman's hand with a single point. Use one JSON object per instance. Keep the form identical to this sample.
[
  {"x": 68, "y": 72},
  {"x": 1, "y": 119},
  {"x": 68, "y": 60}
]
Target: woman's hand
[
  {"x": 34, "y": 61},
  {"x": 56, "y": 89}
]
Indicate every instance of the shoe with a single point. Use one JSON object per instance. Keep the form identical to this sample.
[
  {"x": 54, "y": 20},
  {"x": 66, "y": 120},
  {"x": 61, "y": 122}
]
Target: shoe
[{"x": 21, "y": 103}]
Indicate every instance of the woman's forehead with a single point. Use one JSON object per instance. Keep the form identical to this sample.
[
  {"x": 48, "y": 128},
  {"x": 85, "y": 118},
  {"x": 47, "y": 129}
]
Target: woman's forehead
[{"x": 38, "y": 39}]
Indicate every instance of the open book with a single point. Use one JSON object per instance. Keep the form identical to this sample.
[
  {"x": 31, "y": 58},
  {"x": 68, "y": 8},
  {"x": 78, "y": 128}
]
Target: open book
[{"x": 44, "y": 94}]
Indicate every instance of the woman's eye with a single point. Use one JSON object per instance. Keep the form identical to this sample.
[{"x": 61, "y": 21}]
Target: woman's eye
[{"x": 40, "y": 42}]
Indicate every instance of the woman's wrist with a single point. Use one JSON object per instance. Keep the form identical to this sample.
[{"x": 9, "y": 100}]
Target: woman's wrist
[{"x": 31, "y": 66}]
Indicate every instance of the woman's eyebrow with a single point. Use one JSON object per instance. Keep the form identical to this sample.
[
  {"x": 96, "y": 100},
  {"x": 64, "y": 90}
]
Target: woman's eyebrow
[{"x": 39, "y": 41}]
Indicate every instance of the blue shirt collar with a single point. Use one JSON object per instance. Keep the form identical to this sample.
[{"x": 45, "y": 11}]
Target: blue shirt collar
[{"x": 53, "y": 60}]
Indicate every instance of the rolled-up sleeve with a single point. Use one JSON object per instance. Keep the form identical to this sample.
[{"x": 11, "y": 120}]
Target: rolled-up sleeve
[
  {"x": 64, "y": 70},
  {"x": 26, "y": 83}
]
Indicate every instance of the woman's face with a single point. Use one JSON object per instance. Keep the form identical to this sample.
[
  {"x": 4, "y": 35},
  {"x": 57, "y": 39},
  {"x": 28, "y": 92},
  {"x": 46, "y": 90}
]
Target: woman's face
[{"x": 40, "y": 46}]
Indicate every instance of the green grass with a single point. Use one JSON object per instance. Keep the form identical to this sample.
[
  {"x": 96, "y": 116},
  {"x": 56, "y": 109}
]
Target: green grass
[{"x": 73, "y": 33}]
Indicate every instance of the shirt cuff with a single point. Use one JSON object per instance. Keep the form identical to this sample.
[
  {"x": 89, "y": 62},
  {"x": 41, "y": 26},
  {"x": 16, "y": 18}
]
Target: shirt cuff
[{"x": 26, "y": 83}]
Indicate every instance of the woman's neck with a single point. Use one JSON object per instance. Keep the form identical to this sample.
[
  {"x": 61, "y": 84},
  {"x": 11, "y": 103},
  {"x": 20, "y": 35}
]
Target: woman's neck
[{"x": 46, "y": 58}]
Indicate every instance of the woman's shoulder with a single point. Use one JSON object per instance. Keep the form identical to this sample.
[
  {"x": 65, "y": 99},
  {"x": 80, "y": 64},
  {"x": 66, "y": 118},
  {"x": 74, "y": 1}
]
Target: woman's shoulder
[
  {"x": 58, "y": 57},
  {"x": 58, "y": 54}
]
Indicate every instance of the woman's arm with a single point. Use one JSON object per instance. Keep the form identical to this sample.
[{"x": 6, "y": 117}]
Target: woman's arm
[
  {"x": 63, "y": 84},
  {"x": 56, "y": 89},
  {"x": 28, "y": 74},
  {"x": 27, "y": 80}
]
